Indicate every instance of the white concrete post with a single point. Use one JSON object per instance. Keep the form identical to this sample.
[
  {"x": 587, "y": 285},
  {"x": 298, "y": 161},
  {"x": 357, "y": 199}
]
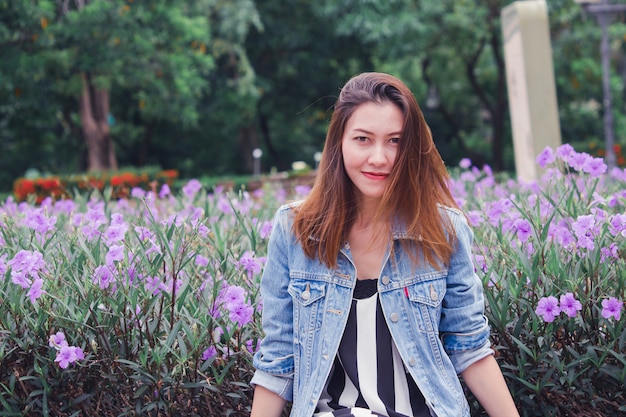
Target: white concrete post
[{"x": 531, "y": 85}]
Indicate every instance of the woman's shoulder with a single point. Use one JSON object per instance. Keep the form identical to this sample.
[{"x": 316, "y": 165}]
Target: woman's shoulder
[
  {"x": 286, "y": 212},
  {"x": 288, "y": 208},
  {"x": 452, "y": 212}
]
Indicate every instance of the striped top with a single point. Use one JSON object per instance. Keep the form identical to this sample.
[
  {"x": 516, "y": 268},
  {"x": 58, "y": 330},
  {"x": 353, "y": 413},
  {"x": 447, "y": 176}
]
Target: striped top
[{"x": 368, "y": 377}]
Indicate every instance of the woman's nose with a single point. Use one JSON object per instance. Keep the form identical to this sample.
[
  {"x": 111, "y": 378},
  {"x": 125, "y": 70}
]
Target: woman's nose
[{"x": 378, "y": 155}]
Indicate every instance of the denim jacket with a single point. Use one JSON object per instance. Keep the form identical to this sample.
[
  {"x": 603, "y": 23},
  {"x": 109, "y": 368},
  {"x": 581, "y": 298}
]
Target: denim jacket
[{"x": 435, "y": 318}]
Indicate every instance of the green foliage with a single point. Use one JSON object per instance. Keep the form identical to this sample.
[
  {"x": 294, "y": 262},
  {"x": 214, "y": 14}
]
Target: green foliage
[
  {"x": 158, "y": 329},
  {"x": 156, "y": 59},
  {"x": 196, "y": 85},
  {"x": 573, "y": 365},
  {"x": 145, "y": 331},
  {"x": 578, "y": 73}
]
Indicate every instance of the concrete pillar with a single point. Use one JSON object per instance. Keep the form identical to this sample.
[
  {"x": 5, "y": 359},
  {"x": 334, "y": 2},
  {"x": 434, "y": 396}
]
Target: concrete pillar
[{"x": 530, "y": 81}]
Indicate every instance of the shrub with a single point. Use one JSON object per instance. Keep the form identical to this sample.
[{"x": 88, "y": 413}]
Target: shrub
[
  {"x": 145, "y": 306},
  {"x": 149, "y": 305},
  {"x": 551, "y": 255}
]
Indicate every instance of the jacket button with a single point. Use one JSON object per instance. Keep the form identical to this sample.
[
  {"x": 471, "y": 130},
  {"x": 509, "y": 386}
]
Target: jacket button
[
  {"x": 433, "y": 293},
  {"x": 385, "y": 280},
  {"x": 394, "y": 317},
  {"x": 412, "y": 361},
  {"x": 306, "y": 295}
]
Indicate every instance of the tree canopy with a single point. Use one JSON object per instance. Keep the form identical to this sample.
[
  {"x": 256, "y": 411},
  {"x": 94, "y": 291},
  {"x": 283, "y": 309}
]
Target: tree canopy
[{"x": 196, "y": 85}]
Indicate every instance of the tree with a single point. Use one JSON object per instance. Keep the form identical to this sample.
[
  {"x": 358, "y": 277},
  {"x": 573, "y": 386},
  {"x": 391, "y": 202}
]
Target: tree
[
  {"x": 300, "y": 62},
  {"x": 451, "y": 49},
  {"x": 158, "y": 51},
  {"x": 577, "y": 62}
]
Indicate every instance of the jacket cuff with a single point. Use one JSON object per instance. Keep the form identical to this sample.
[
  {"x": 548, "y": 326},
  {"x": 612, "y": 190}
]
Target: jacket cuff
[
  {"x": 280, "y": 385},
  {"x": 463, "y": 359}
]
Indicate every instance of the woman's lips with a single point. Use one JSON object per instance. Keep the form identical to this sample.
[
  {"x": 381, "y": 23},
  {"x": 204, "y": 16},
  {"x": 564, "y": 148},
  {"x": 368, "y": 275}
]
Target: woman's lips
[{"x": 376, "y": 175}]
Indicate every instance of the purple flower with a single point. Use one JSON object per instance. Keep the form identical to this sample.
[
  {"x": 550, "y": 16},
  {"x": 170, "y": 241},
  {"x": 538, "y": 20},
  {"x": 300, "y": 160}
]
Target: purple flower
[
  {"x": 618, "y": 173},
  {"x": 203, "y": 230},
  {"x": 103, "y": 276},
  {"x": 265, "y": 229},
  {"x": 480, "y": 263},
  {"x": 280, "y": 195},
  {"x": 174, "y": 285},
  {"x": 564, "y": 151},
  {"x": 250, "y": 263},
  {"x": 546, "y": 157},
  {"x": 202, "y": 260},
  {"x": 560, "y": 232},
  {"x": 465, "y": 163},
  {"x": 611, "y": 252},
  {"x": 154, "y": 285},
  {"x": 37, "y": 220},
  {"x": 570, "y": 305},
  {"x": 95, "y": 215},
  {"x": 302, "y": 190},
  {"x": 611, "y": 307},
  {"x": 26, "y": 266},
  {"x": 209, "y": 353},
  {"x": 65, "y": 206},
  {"x": 67, "y": 355},
  {"x": 223, "y": 205},
  {"x": 497, "y": 209},
  {"x": 115, "y": 254},
  {"x": 618, "y": 224},
  {"x": 467, "y": 176},
  {"x": 36, "y": 290},
  {"x": 192, "y": 188},
  {"x": 57, "y": 340},
  {"x": 475, "y": 217},
  {"x": 154, "y": 248},
  {"x": 548, "y": 308},
  {"x": 584, "y": 228},
  {"x": 143, "y": 233},
  {"x": 595, "y": 167},
  {"x": 241, "y": 314},
  {"x": 165, "y": 191},
  {"x": 579, "y": 161},
  {"x": 137, "y": 192},
  {"x": 258, "y": 193},
  {"x": 3, "y": 265},
  {"x": 252, "y": 346},
  {"x": 523, "y": 228},
  {"x": 232, "y": 295},
  {"x": 115, "y": 233}
]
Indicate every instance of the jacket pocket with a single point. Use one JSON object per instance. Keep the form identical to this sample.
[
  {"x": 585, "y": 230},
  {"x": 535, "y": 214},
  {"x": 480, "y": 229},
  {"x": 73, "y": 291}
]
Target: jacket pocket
[
  {"x": 308, "y": 301},
  {"x": 425, "y": 298}
]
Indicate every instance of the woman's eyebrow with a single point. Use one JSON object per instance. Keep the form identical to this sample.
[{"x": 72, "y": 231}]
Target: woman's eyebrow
[{"x": 358, "y": 129}]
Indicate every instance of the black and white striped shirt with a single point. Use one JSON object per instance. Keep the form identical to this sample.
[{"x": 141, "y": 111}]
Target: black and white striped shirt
[{"x": 368, "y": 377}]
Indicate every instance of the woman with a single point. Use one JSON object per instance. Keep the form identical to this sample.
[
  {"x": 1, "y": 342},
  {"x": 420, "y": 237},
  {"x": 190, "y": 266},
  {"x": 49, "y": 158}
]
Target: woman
[{"x": 371, "y": 303}]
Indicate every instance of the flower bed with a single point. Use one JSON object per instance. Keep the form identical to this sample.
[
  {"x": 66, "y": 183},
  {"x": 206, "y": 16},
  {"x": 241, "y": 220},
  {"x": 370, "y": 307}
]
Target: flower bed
[
  {"x": 149, "y": 305},
  {"x": 117, "y": 184}
]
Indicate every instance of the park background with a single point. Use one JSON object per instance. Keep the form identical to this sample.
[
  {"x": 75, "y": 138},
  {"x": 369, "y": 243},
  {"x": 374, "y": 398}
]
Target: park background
[
  {"x": 197, "y": 85},
  {"x": 191, "y": 88}
]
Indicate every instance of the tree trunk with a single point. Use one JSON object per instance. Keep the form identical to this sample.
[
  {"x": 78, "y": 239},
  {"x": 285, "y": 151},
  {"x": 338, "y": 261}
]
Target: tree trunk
[
  {"x": 248, "y": 141},
  {"x": 94, "y": 114}
]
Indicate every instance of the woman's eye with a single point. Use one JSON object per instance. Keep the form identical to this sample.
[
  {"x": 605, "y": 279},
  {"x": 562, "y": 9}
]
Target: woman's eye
[
  {"x": 361, "y": 138},
  {"x": 394, "y": 140}
]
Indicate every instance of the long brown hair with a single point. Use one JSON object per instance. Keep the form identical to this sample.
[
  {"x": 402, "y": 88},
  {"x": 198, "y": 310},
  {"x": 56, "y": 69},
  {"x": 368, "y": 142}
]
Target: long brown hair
[{"x": 418, "y": 182}]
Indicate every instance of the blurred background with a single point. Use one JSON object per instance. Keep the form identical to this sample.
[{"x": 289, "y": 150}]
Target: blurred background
[{"x": 198, "y": 85}]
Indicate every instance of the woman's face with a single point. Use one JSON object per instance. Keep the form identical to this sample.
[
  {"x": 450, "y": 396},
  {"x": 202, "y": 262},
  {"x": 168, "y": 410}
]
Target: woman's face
[{"x": 369, "y": 146}]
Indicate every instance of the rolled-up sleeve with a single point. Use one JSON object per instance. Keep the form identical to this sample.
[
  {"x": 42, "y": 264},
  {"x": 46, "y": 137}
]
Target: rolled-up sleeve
[
  {"x": 274, "y": 361},
  {"x": 463, "y": 327}
]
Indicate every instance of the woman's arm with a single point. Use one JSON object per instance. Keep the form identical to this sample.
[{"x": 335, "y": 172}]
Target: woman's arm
[
  {"x": 486, "y": 382},
  {"x": 266, "y": 404}
]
